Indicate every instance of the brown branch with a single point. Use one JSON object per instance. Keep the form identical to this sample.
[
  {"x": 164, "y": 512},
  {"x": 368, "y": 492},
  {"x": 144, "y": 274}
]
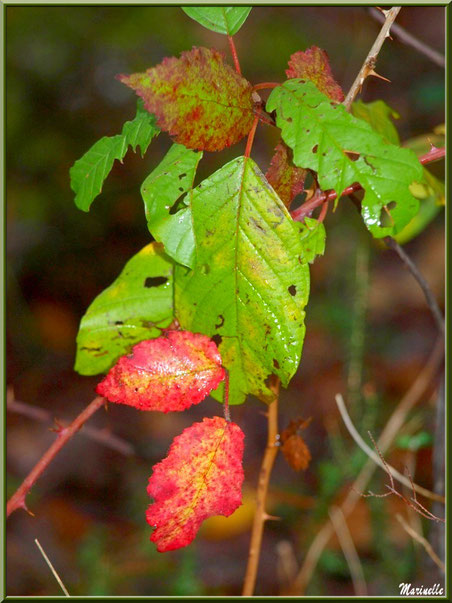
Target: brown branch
[
  {"x": 410, "y": 40},
  {"x": 431, "y": 301},
  {"x": 371, "y": 59},
  {"x": 299, "y": 214},
  {"x": 427, "y": 546},
  {"x": 371, "y": 454},
  {"x": 17, "y": 500},
  {"x": 102, "y": 436},
  {"x": 261, "y": 515},
  {"x": 392, "y": 428},
  {"x": 349, "y": 550}
]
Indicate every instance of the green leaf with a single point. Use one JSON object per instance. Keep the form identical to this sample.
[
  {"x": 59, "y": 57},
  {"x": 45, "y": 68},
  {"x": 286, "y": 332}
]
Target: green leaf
[
  {"x": 222, "y": 19},
  {"x": 90, "y": 171},
  {"x": 313, "y": 238},
  {"x": 160, "y": 191},
  {"x": 250, "y": 282},
  {"x": 343, "y": 150},
  {"x": 197, "y": 98},
  {"x": 137, "y": 306},
  {"x": 378, "y": 114}
]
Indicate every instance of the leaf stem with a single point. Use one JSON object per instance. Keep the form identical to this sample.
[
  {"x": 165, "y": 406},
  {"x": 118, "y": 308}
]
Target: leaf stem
[
  {"x": 304, "y": 210},
  {"x": 266, "y": 85},
  {"x": 264, "y": 479},
  {"x": 226, "y": 411},
  {"x": 235, "y": 57},
  {"x": 17, "y": 500},
  {"x": 371, "y": 59},
  {"x": 252, "y": 132}
]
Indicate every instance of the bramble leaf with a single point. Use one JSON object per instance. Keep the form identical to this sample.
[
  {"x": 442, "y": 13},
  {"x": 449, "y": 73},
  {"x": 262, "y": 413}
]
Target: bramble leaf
[
  {"x": 250, "y": 282},
  {"x": 313, "y": 238},
  {"x": 378, "y": 114},
  {"x": 160, "y": 191},
  {"x": 313, "y": 65},
  {"x": 136, "y": 306},
  {"x": 343, "y": 150},
  {"x": 90, "y": 171},
  {"x": 198, "y": 99},
  {"x": 284, "y": 176},
  {"x": 201, "y": 476},
  {"x": 222, "y": 19},
  {"x": 167, "y": 374}
]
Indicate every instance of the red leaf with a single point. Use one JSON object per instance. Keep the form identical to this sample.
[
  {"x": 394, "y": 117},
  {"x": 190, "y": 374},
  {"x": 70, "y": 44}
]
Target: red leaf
[
  {"x": 198, "y": 98},
  {"x": 201, "y": 476},
  {"x": 168, "y": 373},
  {"x": 285, "y": 178},
  {"x": 313, "y": 65}
]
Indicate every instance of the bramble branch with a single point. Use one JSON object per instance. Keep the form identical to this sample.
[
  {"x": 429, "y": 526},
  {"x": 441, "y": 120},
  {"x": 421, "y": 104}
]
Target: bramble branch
[
  {"x": 261, "y": 515},
  {"x": 410, "y": 40},
  {"x": 17, "y": 500},
  {"x": 299, "y": 214},
  {"x": 369, "y": 64}
]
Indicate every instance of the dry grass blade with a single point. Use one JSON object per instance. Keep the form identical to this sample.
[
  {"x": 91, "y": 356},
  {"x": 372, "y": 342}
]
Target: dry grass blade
[{"x": 52, "y": 569}]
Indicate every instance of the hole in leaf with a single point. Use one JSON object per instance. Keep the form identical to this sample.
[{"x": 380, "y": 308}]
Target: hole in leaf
[
  {"x": 220, "y": 321},
  {"x": 292, "y": 290},
  {"x": 119, "y": 322},
  {"x": 217, "y": 339},
  {"x": 314, "y": 148},
  {"x": 289, "y": 120},
  {"x": 352, "y": 155},
  {"x": 181, "y": 189},
  {"x": 182, "y": 176},
  {"x": 155, "y": 281},
  {"x": 275, "y": 363},
  {"x": 386, "y": 220}
]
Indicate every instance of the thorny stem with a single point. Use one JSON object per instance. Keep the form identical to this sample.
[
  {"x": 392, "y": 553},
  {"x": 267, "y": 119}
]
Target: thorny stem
[
  {"x": 102, "y": 436},
  {"x": 304, "y": 210},
  {"x": 17, "y": 500},
  {"x": 371, "y": 59},
  {"x": 410, "y": 40},
  {"x": 235, "y": 57},
  {"x": 261, "y": 515},
  {"x": 252, "y": 132},
  {"x": 431, "y": 301}
]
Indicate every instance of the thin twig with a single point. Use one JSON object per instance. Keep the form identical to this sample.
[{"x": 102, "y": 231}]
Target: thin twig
[
  {"x": 299, "y": 214},
  {"x": 261, "y": 515},
  {"x": 410, "y": 40},
  {"x": 102, "y": 436},
  {"x": 431, "y": 301},
  {"x": 369, "y": 64},
  {"x": 17, "y": 500},
  {"x": 425, "y": 543},
  {"x": 349, "y": 550},
  {"x": 52, "y": 569},
  {"x": 392, "y": 428},
  {"x": 371, "y": 454}
]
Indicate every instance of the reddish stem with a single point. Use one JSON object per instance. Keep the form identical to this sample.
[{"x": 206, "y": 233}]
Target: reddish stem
[
  {"x": 266, "y": 85},
  {"x": 17, "y": 500},
  {"x": 235, "y": 58},
  {"x": 249, "y": 142},
  {"x": 323, "y": 213},
  {"x": 299, "y": 214},
  {"x": 227, "y": 413}
]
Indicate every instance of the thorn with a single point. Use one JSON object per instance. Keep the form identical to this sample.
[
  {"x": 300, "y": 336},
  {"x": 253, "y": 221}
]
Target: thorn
[
  {"x": 388, "y": 35},
  {"x": 267, "y": 517},
  {"x": 381, "y": 77},
  {"x": 58, "y": 427}
]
